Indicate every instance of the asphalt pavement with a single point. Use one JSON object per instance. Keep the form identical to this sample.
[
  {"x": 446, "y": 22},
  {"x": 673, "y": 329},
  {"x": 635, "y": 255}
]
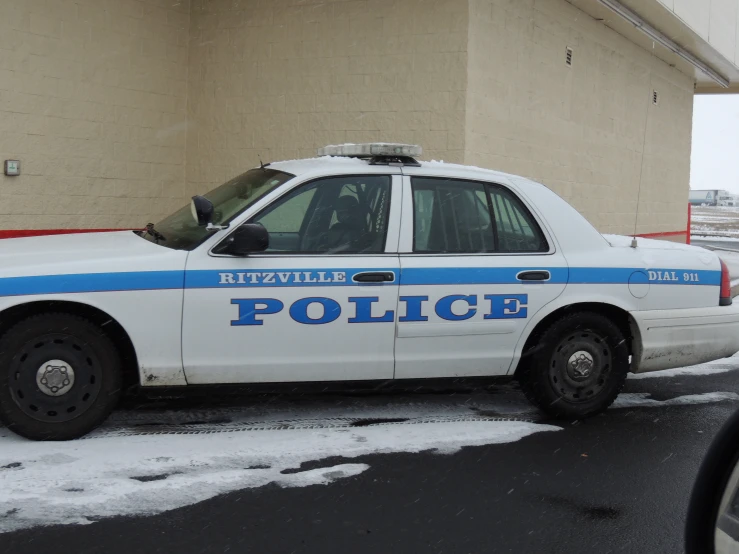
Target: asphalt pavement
[
  {"x": 732, "y": 245},
  {"x": 618, "y": 482}
]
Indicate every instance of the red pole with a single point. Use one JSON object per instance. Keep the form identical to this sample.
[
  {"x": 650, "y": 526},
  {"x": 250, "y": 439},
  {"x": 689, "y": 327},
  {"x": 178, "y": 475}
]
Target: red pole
[{"x": 687, "y": 236}]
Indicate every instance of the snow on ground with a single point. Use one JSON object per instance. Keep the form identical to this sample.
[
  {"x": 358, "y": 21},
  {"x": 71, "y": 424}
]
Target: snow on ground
[
  {"x": 641, "y": 399},
  {"x": 107, "y": 475},
  {"x": 714, "y": 221},
  {"x": 150, "y": 461},
  {"x": 711, "y": 218},
  {"x": 717, "y": 366}
]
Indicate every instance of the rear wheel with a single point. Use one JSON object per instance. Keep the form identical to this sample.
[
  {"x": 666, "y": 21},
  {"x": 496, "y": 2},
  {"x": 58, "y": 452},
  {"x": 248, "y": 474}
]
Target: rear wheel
[
  {"x": 60, "y": 377},
  {"x": 578, "y": 367}
]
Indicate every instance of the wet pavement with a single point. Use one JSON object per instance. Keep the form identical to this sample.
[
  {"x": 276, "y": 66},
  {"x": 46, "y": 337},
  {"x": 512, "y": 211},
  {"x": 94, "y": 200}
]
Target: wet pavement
[{"x": 619, "y": 482}]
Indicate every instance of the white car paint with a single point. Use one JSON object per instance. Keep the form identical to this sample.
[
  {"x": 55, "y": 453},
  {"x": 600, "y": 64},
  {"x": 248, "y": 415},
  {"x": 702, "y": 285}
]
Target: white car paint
[{"x": 178, "y": 312}]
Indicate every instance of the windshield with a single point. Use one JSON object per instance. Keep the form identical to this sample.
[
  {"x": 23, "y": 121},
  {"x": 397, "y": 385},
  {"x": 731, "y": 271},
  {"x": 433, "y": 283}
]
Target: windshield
[{"x": 181, "y": 231}]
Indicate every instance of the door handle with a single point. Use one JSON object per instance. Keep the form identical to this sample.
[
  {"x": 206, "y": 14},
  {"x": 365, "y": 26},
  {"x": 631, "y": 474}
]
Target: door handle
[
  {"x": 536, "y": 275},
  {"x": 374, "y": 277}
]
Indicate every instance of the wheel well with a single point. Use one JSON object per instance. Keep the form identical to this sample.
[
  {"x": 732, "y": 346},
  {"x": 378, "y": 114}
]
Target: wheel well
[
  {"x": 617, "y": 315},
  {"x": 107, "y": 324}
]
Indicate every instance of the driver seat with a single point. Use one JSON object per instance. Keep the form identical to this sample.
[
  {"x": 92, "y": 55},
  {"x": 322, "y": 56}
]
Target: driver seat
[{"x": 350, "y": 227}]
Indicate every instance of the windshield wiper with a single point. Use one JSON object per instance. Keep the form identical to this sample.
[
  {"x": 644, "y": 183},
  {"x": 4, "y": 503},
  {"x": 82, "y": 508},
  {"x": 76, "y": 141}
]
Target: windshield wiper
[{"x": 154, "y": 233}]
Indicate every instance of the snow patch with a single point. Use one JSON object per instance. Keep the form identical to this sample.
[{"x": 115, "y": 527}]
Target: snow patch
[
  {"x": 79, "y": 482},
  {"x": 722, "y": 365},
  {"x": 688, "y": 371},
  {"x": 641, "y": 399}
]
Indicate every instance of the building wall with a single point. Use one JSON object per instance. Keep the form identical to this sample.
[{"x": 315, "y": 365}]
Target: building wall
[
  {"x": 93, "y": 103},
  {"x": 120, "y": 110},
  {"x": 589, "y": 131},
  {"x": 278, "y": 79}
]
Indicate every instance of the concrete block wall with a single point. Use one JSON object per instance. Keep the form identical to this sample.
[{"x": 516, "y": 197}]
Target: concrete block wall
[
  {"x": 93, "y": 102},
  {"x": 280, "y": 78},
  {"x": 589, "y": 131},
  {"x": 120, "y": 110}
]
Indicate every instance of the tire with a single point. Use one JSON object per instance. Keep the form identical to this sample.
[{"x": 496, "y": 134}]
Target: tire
[
  {"x": 578, "y": 367},
  {"x": 60, "y": 377}
]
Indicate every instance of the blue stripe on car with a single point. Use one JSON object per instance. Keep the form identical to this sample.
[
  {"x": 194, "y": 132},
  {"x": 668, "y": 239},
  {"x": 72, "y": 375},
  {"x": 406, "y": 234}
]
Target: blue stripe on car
[
  {"x": 91, "y": 282},
  {"x": 198, "y": 279}
]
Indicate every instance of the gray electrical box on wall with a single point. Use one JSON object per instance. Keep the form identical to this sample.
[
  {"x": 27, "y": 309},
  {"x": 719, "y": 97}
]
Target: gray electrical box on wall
[{"x": 12, "y": 168}]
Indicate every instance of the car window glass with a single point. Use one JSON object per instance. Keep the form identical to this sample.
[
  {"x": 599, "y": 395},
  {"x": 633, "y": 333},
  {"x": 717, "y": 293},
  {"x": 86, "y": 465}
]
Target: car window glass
[
  {"x": 451, "y": 216},
  {"x": 336, "y": 215},
  {"x": 516, "y": 229},
  {"x": 181, "y": 230},
  {"x": 291, "y": 217}
]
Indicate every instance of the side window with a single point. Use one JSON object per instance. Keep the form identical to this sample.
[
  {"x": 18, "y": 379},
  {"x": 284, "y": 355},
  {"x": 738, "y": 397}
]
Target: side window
[
  {"x": 336, "y": 215},
  {"x": 516, "y": 229},
  {"x": 290, "y": 219},
  {"x": 451, "y": 216}
]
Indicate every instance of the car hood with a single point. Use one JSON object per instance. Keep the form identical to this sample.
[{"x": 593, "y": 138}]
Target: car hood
[{"x": 119, "y": 251}]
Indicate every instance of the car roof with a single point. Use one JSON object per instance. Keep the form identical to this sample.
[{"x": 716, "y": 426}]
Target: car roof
[{"x": 334, "y": 163}]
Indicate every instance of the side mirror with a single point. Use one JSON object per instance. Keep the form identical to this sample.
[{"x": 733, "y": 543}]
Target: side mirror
[
  {"x": 202, "y": 210},
  {"x": 245, "y": 240},
  {"x": 712, "y": 524}
]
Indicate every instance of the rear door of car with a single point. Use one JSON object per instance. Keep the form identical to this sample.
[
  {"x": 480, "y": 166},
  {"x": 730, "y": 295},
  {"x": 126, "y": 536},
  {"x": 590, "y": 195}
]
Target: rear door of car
[{"x": 476, "y": 264}]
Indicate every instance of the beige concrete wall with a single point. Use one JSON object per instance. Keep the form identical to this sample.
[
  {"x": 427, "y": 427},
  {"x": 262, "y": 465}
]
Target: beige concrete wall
[
  {"x": 281, "y": 78},
  {"x": 589, "y": 131},
  {"x": 119, "y": 110},
  {"x": 93, "y": 103}
]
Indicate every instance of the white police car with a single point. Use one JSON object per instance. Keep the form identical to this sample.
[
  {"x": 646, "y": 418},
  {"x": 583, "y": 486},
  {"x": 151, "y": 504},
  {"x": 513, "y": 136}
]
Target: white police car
[{"x": 360, "y": 265}]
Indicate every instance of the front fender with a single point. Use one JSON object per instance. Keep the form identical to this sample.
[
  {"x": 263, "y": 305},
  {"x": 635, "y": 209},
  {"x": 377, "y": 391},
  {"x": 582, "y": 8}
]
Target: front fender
[{"x": 151, "y": 318}]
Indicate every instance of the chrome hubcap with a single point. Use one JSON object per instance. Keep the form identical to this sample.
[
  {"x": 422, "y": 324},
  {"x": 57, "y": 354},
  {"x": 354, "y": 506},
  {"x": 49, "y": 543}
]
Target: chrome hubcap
[
  {"x": 55, "y": 378},
  {"x": 580, "y": 365}
]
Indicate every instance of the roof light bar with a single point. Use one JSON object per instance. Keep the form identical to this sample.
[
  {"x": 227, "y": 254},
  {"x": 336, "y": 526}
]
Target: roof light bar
[
  {"x": 371, "y": 149},
  {"x": 656, "y": 36}
]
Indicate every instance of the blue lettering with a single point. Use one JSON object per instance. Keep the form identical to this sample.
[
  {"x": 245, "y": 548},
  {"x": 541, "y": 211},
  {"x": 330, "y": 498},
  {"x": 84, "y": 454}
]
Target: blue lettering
[
  {"x": 364, "y": 310},
  {"x": 507, "y": 306},
  {"x": 299, "y": 310},
  {"x": 413, "y": 308},
  {"x": 248, "y": 310},
  {"x": 444, "y": 307}
]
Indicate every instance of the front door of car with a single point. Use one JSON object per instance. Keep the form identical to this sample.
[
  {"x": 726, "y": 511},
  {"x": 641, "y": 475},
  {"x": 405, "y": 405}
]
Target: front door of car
[
  {"x": 319, "y": 304},
  {"x": 475, "y": 266}
]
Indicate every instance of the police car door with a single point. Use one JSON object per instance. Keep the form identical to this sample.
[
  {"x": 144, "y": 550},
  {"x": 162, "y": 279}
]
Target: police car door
[
  {"x": 318, "y": 304},
  {"x": 475, "y": 265}
]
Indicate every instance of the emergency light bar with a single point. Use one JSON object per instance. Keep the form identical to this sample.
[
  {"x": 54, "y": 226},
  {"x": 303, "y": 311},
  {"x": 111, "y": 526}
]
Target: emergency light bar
[{"x": 371, "y": 149}]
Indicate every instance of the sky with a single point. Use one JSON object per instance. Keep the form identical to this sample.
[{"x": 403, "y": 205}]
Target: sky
[{"x": 714, "y": 161}]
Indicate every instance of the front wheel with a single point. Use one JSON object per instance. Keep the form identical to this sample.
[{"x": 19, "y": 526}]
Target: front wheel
[
  {"x": 578, "y": 367},
  {"x": 60, "y": 377}
]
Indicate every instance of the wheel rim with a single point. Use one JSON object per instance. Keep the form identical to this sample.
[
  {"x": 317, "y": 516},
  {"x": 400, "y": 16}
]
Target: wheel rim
[
  {"x": 580, "y": 366},
  {"x": 55, "y": 378}
]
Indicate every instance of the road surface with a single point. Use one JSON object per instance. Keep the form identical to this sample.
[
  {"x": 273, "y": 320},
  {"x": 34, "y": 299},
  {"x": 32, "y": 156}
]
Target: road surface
[{"x": 386, "y": 473}]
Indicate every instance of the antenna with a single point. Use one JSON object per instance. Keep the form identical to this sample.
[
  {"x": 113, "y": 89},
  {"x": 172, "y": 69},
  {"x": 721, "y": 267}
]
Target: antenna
[
  {"x": 641, "y": 168},
  {"x": 261, "y": 164}
]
